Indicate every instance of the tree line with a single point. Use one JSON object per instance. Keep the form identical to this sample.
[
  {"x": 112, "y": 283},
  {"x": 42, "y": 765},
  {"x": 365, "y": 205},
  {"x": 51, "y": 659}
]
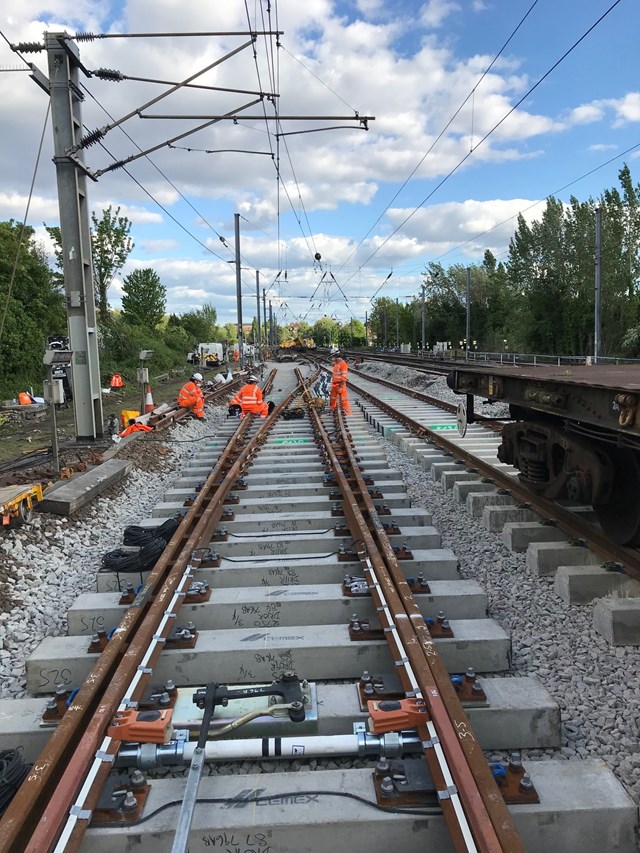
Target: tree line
[
  {"x": 541, "y": 297},
  {"x": 538, "y": 298}
]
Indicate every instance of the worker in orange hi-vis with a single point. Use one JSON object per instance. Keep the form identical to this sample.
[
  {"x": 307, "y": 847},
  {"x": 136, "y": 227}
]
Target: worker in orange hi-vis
[
  {"x": 134, "y": 426},
  {"x": 339, "y": 383},
  {"x": 191, "y": 396},
  {"x": 249, "y": 400}
]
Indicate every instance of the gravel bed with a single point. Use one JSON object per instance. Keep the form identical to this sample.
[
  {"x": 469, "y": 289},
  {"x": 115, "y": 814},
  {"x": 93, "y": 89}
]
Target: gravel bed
[
  {"x": 433, "y": 384},
  {"x": 46, "y": 564}
]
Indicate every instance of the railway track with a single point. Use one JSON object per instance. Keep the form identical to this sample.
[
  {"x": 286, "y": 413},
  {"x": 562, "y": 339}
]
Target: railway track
[{"x": 304, "y": 552}]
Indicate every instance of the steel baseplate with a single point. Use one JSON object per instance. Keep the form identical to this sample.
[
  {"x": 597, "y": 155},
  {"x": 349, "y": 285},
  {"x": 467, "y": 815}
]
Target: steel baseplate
[
  {"x": 121, "y": 800},
  {"x": 514, "y": 783},
  {"x": 389, "y": 686},
  {"x": 404, "y": 783}
]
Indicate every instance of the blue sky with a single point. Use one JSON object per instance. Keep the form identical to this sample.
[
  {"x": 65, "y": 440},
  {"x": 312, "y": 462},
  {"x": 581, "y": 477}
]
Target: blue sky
[{"x": 411, "y": 64}]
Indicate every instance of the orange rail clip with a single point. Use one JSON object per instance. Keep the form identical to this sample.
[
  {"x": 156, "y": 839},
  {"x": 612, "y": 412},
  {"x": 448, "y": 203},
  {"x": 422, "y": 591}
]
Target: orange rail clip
[
  {"x": 142, "y": 726},
  {"x": 392, "y": 715}
]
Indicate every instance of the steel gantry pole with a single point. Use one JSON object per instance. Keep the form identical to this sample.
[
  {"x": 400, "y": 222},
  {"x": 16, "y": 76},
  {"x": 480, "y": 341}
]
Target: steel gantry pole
[
  {"x": 64, "y": 63},
  {"x": 467, "y": 341},
  {"x": 597, "y": 332},
  {"x": 236, "y": 218},
  {"x": 259, "y": 342},
  {"x": 424, "y": 287},
  {"x": 264, "y": 317}
]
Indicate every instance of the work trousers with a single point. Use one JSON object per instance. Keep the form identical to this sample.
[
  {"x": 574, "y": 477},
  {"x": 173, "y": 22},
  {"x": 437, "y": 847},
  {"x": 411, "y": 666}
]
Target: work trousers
[{"x": 339, "y": 392}]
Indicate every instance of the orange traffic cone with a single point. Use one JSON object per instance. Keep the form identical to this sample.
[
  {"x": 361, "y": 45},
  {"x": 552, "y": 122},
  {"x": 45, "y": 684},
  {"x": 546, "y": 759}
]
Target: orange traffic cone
[
  {"x": 116, "y": 381},
  {"x": 149, "y": 405}
]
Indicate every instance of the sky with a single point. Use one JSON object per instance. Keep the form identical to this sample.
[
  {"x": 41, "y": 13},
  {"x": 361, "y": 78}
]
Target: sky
[{"x": 453, "y": 155}]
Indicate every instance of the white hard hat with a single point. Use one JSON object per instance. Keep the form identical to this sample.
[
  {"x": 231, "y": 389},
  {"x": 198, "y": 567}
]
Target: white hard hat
[
  {"x": 252, "y": 378},
  {"x": 197, "y": 377}
]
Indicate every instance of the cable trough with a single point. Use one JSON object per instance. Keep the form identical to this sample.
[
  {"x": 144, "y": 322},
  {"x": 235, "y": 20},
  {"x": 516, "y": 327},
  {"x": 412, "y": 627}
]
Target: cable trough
[{"x": 304, "y": 612}]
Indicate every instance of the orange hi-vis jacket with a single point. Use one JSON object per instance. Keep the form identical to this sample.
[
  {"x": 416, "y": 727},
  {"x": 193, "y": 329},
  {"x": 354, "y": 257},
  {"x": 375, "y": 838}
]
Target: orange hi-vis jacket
[
  {"x": 135, "y": 428},
  {"x": 191, "y": 397},
  {"x": 249, "y": 398},
  {"x": 339, "y": 372},
  {"x": 339, "y": 386}
]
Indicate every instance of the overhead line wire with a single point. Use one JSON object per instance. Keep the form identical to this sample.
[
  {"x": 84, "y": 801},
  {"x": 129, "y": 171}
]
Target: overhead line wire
[
  {"x": 23, "y": 224},
  {"x": 540, "y": 201},
  {"x": 489, "y": 133},
  {"x": 444, "y": 129}
]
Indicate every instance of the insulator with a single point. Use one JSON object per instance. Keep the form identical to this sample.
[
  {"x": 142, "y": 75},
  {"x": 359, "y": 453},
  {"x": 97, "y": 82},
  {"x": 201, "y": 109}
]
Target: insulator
[
  {"x": 88, "y": 36},
  {"x": 108, "y": 74},
  {"x": 91, "y": 138},
  {"x": 28, "y": 47}
]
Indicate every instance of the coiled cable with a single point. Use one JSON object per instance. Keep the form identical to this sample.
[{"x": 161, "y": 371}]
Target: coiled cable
[
  {"x": 13, "y": 772},
  {"x": 134, "y": 535}
]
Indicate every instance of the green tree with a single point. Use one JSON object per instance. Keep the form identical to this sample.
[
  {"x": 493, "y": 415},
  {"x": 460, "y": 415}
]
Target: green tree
[
  {"x": 111, "y": 245},
  {"x": 352, "y": 334},
  {"x": 144, "y": 298},
  {"x": 31, "y": 308},
  {"x": 325, "y": 332}
]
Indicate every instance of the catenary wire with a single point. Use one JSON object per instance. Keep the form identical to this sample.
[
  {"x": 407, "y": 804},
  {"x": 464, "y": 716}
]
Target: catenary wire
[
  {"x": 23, "y": 224},
  {"x": 444, "y": 129},
  {"x": 489, "y": 133}
]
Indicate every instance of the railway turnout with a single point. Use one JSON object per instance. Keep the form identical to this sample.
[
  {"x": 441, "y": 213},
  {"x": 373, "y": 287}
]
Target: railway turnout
[{"x": 302, "y": 612}]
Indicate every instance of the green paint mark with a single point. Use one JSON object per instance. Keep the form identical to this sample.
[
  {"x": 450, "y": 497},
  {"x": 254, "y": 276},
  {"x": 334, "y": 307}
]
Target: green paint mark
[
  {"x": 442, "y": 427},
  {"x": 292, "y": 441}
]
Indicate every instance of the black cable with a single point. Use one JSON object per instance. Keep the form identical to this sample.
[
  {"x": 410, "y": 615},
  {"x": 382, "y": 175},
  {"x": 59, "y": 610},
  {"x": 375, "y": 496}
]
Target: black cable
[
  {"x": 230, "y": 801},
  {"x": 276, "y": 557},
  {"x": 13, "y": 772},
  {"x": 121, "y": 561},
  {"x": 134, "y": 535}
]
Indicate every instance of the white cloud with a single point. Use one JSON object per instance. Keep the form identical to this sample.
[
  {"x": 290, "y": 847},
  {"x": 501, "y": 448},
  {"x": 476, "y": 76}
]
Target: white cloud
[
  {"x": 586, "y": 113},
  {"x": 410, "y": 72},
  {"x": 627, "y": 108},
  {"x": 602, "y": 146},
  {"x": 434, "y": 12}
]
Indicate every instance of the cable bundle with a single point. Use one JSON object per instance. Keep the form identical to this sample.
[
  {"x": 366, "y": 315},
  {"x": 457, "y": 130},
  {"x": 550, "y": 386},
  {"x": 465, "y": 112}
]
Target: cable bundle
[
  {"x": 133, "y": 561},
  {"x": 13, "y": 771},
  {"x": 134, "y": 535}
]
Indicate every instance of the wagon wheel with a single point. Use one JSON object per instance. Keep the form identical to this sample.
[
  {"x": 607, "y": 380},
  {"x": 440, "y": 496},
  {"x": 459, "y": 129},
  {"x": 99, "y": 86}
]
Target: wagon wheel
[
  {"x": 620, "y": 516},
  {"x": 25, "y": 512}
]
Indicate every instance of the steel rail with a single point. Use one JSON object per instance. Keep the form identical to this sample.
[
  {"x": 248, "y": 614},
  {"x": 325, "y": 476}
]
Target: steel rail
[
  {"x": 486, "y": 810},
  {"x": 35, "y": 817},
  {"x": 577, "y": 529},
  {"x": 493, "y": 801},
  {"x": 489, "y": 423}
]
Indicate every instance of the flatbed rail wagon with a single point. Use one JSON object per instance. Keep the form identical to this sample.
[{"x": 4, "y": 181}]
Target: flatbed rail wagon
[{"x": 575, "y": 434}]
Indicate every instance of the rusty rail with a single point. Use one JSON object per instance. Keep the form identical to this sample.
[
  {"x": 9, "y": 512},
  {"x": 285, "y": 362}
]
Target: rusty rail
[
  {"x": 35, "y": 819},
  {"x": 578, "y": 529},
  {"x": 422, "y": 672}
]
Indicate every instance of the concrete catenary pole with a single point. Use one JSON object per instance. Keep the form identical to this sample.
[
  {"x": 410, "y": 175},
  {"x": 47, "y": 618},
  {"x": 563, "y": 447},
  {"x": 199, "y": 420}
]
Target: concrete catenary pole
[{"x": 64, "y": 63}]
